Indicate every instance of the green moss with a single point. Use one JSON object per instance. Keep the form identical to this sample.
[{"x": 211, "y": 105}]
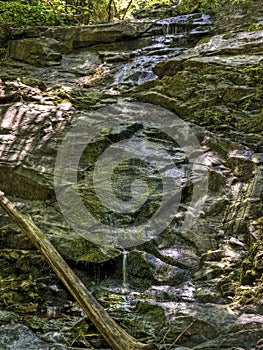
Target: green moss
[
  {"x": 153, "y": 313},
  {"x": 255, "y": 26},
  {"x": 211, "y": 117},
  {"x": 228, "y": 36},
  {"x": 206, "y": 5},
  {"x": 255, "y": 76},
  {"x": 250, "y": 285},
  {"x": 140, "y": 271},
  {"x": 255, "y": 72},
  {"x": 30, "y": 81},
  {"x": 204, "y": 40},
  {"x": 252, "y": 124}
]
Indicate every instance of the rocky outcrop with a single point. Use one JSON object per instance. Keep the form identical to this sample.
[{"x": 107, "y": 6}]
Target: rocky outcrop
[
  {"x": 36, "y": 51},
  {"x": 21, "y": 337},
  {"x": 43, "y": 46},
  {"x": 216, "y": 84},
  {"x": 199, "y": 288},
  {"x": 36, "y": 125}
]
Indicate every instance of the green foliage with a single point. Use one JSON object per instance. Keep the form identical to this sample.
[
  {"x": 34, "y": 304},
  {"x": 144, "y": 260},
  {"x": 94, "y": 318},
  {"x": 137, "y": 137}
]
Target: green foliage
[
  {"x": 141, "y": 4},
  {"x": 255, "y": 26},
  {"x": 213, "y": 117},
  {"x": 255, "y": 74},
  {"x": 66, "y": 12},
  {"x": 22, "y": 13},
  {"x": 86, "y": 11},
  {"x": 206, "y": 5}
]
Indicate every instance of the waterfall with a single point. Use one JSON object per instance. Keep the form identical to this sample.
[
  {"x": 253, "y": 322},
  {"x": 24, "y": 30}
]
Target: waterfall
[
  {"x": 125, "y": 253},
  {"x": 169, "y": 28},
  {"x": 124, "y": 268}
]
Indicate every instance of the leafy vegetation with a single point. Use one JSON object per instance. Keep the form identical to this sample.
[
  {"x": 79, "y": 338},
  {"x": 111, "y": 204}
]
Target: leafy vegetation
[
  {"x": 66, "y": 12},
  {"x": 206, "y": 5},
  {"x": 255, "y": 26},
  {"x": 21, "y": 13}
]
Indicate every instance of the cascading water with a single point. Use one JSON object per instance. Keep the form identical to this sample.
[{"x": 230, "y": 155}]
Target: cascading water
[
  {"x": 124, "y": 269},
  {"x": 173, "y": 33},
  {"x": 130, "y": 63},
  {"x": 184, "y": 24}
]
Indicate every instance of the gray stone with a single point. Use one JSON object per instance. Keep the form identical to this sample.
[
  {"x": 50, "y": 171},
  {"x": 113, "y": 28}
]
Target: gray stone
[
  {"x": 71, "y": 37},
  {"x": 30, "y": 123},
  {"x": 17, "y": 336},
  {"x": 217, "y": 85},
  {"x": 157, "y": 11},
  {"x": 245, "y": 49},
  {"x": 36, "y": 51},
  {"x": 8, "y": 317}
]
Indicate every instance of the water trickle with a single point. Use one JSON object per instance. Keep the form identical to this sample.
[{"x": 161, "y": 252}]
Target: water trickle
[
  {"x": 184, "y": 24},
  {"x": 169, "y": 28},
  {"x": 124, "y": 269}
]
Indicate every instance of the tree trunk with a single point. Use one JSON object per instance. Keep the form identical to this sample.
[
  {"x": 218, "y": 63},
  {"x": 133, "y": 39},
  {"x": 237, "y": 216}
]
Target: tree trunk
[{"x": 116, "y": 337}]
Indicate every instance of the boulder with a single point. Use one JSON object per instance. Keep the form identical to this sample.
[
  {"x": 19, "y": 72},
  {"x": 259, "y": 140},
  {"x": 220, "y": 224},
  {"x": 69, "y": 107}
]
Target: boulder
[
  {"x": 109, "y": 32},
  {"x": 36, "y": 51},
  {"x": 17, "y": 336}
]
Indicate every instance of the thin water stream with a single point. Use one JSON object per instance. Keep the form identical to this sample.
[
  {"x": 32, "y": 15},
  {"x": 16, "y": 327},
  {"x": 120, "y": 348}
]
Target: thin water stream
[{"x": 124, "y": 269}]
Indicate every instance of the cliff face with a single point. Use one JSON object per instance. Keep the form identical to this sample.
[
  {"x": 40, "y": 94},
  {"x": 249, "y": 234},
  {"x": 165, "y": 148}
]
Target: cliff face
[
  {"x": 194, "y": 288},
  {"x": 218, "y": 84}
]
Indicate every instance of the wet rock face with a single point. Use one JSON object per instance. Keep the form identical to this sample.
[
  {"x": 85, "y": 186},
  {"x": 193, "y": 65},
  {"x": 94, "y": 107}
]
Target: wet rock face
[
  {"x": 43, "y": 46},
  {"x": 194, "y": 289},
  {"x": 215, "y": 85},
  {"x": 187, "y": 293}
]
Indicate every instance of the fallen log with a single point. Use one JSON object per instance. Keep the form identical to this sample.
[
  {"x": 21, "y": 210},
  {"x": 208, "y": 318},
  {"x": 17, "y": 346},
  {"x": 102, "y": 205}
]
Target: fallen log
[{"x": 115, "y": 336}]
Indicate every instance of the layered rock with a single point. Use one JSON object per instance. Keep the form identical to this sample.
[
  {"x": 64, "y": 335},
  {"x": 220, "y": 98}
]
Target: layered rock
[
  {"x": 194, "y": 289},
  {"x": 43, "y": 46},
  {"x": 216, "y": 84},
  {"x": 39, "y": 52}
]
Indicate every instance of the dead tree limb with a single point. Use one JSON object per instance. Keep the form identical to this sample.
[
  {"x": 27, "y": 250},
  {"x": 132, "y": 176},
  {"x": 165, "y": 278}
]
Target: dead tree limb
[{"x": 115, "y": 336}]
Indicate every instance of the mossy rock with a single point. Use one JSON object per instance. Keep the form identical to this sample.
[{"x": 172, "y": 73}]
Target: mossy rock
[
  {"x": 252, "y": 124},
  {"x": 79, "y": 249},
  {"x": 187, "y": 6},
  {"x": 204, "y": 40}
]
